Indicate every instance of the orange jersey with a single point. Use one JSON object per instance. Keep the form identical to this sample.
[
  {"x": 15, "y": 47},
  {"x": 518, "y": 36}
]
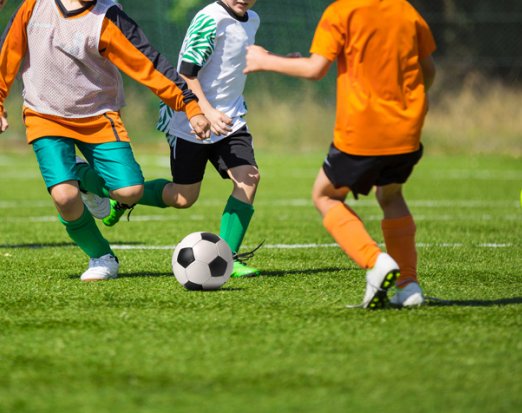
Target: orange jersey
[
  {"x": 119, "y": 42},
  {"x": 381, "y": 100}
]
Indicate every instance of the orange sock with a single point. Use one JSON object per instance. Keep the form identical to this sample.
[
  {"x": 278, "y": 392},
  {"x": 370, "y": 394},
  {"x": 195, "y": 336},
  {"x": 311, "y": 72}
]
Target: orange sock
[
  {"x": 399, "y": 236},
  {"x": 348, "y": 231}
]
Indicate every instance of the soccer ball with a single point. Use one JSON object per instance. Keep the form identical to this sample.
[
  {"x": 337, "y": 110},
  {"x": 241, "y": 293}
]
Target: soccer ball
[{"x": 202, "y": 261}]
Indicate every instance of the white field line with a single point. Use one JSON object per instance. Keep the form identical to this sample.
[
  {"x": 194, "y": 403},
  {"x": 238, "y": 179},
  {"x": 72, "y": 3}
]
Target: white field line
[
  {"x": 313, "y": 246},
  {"x": 294, "y": 246},
  {"x": 304, "y": 202},
  {"x": 284, "y": 218},
  {"x": 9, "y": 171}
]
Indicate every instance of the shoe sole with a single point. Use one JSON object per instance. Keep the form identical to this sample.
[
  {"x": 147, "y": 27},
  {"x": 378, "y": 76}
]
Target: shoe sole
[
  {"x": 247, "y": 275},
  {"x": 109, "y": 224},
  {"x": 89, "y": 280},
  {"x": 380, "y": 299}
]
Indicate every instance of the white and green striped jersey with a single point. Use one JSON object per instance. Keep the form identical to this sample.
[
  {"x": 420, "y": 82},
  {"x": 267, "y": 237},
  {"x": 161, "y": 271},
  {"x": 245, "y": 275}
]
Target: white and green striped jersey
[{"x": 214, "y": 49}]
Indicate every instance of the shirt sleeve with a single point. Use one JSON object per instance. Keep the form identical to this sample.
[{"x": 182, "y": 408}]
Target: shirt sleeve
[
  {"x": 13, "y": 47},
  {"x": 126, "y": 46},
  {"x": 198, "y": 45},
  {"x": 330, "y": 34}
]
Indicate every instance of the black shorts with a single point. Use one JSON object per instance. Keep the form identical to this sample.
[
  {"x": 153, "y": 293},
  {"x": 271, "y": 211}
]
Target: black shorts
[
  {"x": 189, "y": 159},
  {"x": 361, "y": 173}
]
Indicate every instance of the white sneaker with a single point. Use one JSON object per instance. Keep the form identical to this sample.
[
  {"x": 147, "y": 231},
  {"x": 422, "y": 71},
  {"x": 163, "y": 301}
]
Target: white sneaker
[
  {"x": 409, "y": 296},
  {"x": 378, "y": 280},
  {"x": 98, "y": 206},
  {"x": 103, "y": 268}
]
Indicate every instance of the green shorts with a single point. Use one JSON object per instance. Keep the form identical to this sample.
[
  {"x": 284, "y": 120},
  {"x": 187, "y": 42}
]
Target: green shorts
[{"x": 114, "y": 162}]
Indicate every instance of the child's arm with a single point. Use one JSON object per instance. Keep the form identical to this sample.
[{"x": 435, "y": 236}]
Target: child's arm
[
  {"x": 219, "y": 121},
  {"x": 13, "y": 46},
  {"x": 127, "y": 47},
  {"x": 3, "y": 122},
  {"x": 313, "y": 67},
  {"x": 428, "y": 71}
]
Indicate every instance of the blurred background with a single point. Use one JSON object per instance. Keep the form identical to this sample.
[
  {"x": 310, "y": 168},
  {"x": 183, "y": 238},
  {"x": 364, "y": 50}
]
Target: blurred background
[{"x": 475, "y": 104}]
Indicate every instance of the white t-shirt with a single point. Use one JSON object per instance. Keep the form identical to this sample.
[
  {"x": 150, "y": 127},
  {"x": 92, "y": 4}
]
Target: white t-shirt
[{"x": 214, "y": 49}]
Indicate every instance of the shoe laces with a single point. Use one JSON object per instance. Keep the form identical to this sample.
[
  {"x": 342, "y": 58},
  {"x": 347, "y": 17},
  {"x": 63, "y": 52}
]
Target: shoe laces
[
  {"x": 245, "y": 256},
  {"x": 122, "y": 207}
]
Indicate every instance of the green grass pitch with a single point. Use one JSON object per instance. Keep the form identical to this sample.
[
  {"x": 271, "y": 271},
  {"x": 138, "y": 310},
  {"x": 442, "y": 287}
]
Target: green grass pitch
[{"x": 282, "y": 342}]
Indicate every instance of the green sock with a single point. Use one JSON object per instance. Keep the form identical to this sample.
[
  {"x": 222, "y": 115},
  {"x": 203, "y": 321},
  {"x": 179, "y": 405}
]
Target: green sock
[
  {"x": 234, "y": 222},
  {"x": 153, "y": 193},
  {"x": 90, "y": 181},
  {"x": 87, "y": 236}
]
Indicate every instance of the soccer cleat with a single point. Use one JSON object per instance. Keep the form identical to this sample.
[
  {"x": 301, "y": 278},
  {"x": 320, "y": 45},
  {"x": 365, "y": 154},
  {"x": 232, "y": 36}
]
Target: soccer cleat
[
  {"x": 116, "y": 212},
  {"x": 378, "y": 280},
  {"x": 409, "y": 296},
  {"x": 100, "y": 269},
  {"x": 240, "y": 269},
  {"x": 98, "y": 206}
]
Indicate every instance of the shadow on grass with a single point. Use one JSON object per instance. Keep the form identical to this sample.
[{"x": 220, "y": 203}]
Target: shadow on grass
[
  {"x": 282, "y": 273},
  {"x": 136, "y": 274},
  {"x": 438, "y": 302}
]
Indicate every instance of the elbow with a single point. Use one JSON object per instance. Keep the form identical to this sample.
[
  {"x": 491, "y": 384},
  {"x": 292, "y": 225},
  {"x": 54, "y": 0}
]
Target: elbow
[{"x": 315, "y": 76}]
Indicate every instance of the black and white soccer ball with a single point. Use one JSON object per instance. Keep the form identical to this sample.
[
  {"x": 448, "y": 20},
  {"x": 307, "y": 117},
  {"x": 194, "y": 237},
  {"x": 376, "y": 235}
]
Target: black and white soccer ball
[{"x": 202, "y": 261}]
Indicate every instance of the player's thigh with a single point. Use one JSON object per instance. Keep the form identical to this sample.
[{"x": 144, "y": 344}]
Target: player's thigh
[
  {"x": 388, "y": 193},
  {"x": 244, "y": 175},
  {"x": 181, "y": 195},
  {"x": 115, "y": 163},
  {"x": 396, "y": 169},
  {"x": 236, "y": 153},
  {"x": 357, "y": 172},
  {"x": 187, "y": 162},
  {"x": 56, "y": 157},
  {"x": 324, "y": 189}
]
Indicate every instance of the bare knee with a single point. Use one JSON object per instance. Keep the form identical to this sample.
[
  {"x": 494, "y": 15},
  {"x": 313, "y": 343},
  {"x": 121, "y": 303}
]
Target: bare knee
[
  {"x": 182, "y": 202},
  {"x": 181, "y": 196},
  {"x": 66, "y": 197},
  {"x": 389, "y": 195},
  {"x": 392, "y": 201},
  {"x": 129, "y": 195},
  {"x": 324, "y": 199},
  {"x": 246, "y": 180}
]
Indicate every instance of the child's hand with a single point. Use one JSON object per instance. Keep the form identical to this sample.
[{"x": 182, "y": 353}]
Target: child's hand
[
  {"x": 4, "y": 124},
  {"x": 200, "y": 126},
  {"x": 219, "y": 122},
  {"x": 254, "y": 58}
]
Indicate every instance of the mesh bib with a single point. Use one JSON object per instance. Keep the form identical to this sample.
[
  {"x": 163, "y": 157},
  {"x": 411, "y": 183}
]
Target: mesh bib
[{"x": 63, "y": 71}]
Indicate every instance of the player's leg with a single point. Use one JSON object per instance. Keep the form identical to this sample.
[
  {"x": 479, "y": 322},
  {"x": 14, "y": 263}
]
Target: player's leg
[
  {"x": 119, "y": 175},
  {"x": 56, "y": 158},
  {"x": 343, "y": 223},
  {"x": 234, "y": 159},
  {"x": 98, "y": 205},
  {"x": 187, "y": 166},
  {"x": 340, "y": 174},
  {"x": 399, "y": 229},
  {"x": 398, "y": 226},
  {"x": 238, "y": 213}
]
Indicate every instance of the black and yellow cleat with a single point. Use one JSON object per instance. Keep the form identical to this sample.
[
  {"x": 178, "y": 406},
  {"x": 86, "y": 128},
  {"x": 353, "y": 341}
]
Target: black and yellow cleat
[{"x": 379, "y": 280}]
